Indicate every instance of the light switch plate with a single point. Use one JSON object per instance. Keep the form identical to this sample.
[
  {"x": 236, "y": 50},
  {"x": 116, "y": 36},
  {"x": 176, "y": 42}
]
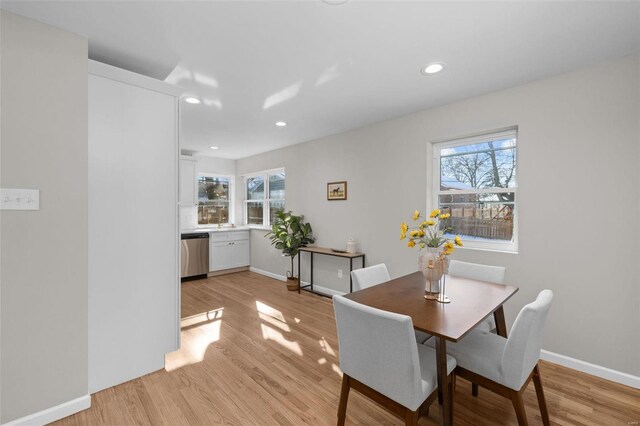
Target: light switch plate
[{"x": 19, "y": 199}]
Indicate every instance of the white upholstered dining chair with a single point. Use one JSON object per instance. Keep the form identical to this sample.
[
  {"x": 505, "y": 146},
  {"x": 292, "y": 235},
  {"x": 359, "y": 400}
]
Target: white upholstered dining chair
[
  {"x": 476, "y": 271},
  {"x": 506, "y": 365},
  {"x": 380, "y": 358},
  {"x": 374, "y": 275},
  {"x": 369, "y": 276}
]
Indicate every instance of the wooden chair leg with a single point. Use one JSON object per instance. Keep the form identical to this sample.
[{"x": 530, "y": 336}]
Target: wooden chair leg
[
  {"x": 411, "y": 418},
  {"x": 344, "y": 396},
  {"x": 474, "y": 389},
  {"x": 537, "y": 381},
  {"x": 518, "y": 405}
]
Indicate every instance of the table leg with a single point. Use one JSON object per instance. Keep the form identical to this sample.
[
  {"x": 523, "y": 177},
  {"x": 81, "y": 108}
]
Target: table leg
[
  {"x": 299, "y": 274},
  {"x": 444, "y": 394},
  {"x": 501, "y": 326},
  {"x": 311, "y": 278},
  {"x": 350, "y": 279}
]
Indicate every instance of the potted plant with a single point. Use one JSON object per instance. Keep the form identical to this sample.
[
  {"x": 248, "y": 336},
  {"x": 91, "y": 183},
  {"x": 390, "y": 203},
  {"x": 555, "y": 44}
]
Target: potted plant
[{"x": 288, "y": 234}]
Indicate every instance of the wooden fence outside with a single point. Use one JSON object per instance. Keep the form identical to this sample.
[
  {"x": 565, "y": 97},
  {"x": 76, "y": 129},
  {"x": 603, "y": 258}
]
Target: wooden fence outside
[
  {"x": 482, "y": 228},
  {"x": 489, "y": 223}
]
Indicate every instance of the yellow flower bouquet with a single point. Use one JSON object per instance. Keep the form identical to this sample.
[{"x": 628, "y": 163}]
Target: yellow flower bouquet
[{"x": 430, "y": 232}]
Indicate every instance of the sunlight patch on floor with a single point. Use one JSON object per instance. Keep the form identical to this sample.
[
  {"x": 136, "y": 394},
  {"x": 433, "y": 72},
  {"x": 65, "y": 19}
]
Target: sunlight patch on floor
[
  {"x": 336, "y": 369},
  {"x": 326, "y": 347},
  {"x": 269, "y": 333},
  {"x": 198, "y": 332},
  {"x": 281, "y": 325},
  {"x": 214, "y": 314},
  {"x": 268, "y": 310},
  {"x": 274, "y": 318}
]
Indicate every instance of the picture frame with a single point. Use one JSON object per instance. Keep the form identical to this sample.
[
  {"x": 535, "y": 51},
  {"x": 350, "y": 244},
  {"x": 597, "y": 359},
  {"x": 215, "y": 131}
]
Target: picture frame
[{"x": 337, "y": 190}]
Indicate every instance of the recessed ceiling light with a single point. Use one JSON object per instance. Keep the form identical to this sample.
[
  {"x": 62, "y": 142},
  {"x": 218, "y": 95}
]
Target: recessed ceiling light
[
  {"x": 335, "y": 2},
  {"x": 432, "y": 69},
  {"x": 213, "y": 147},
  {"x": 192, "y": 100},
  {"x": 281, "y": 124}
]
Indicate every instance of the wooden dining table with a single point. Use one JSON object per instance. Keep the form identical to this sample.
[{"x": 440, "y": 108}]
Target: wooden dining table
[{"x": 471, "y": 302}]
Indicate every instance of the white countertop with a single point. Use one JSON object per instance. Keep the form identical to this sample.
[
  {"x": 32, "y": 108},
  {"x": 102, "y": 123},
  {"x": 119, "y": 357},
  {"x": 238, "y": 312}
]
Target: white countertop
[{"x": 214, "y": 229}]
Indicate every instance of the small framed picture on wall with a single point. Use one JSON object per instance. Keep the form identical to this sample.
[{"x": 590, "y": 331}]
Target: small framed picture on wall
[{"x": 337, "y": 190}]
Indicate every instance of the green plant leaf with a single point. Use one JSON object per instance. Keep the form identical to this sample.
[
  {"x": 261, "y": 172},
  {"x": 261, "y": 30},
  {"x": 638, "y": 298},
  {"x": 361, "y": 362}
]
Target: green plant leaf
[{"x": 289, "y": 233}]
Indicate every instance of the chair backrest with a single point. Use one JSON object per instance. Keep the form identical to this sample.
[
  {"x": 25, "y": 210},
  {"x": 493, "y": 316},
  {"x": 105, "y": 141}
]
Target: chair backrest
[
  {"x": 370, "y": 276},
  {"x": 522, "y": 350},
  {"x": 476, "y": 271},
  {"x": 379, "y": 349}
]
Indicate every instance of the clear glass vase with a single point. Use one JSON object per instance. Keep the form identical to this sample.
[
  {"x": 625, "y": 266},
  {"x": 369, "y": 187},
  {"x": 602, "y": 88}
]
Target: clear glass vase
[{"x": 433, "y": 265}]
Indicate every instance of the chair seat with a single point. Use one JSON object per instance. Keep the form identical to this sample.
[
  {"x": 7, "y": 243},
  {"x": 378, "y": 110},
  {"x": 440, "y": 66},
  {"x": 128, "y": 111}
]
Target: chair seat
[
  {"x": 428, "y": 371},
  {"x": 480, "y": 352},
  {"x": 421, "y": 336}
]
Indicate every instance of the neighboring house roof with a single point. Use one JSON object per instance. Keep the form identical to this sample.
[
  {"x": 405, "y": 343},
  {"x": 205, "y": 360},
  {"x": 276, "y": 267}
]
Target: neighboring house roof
[
  {"x": 275, "y": 186},
  {"x": 453, "y": 184}
]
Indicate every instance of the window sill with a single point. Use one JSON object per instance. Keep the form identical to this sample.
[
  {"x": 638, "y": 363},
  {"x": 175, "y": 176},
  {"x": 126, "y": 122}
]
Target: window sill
[
  {"x": 259, "y": 227},
  {"x": 488, "y": 249}
]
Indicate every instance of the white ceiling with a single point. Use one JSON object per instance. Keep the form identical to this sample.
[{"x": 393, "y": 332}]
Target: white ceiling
[{"x": 325, "y": 69}]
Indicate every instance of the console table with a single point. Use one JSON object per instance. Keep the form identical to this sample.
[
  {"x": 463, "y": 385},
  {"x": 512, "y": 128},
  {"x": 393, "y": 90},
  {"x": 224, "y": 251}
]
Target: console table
[{"x": 326, "y": 252}]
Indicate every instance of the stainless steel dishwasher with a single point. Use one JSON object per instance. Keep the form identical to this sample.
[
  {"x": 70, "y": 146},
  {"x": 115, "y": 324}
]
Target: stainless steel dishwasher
[{"x": 194, "y": 255}]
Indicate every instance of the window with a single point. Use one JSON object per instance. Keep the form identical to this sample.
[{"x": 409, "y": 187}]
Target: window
[
  {"x": 264, "y": 197},
  {"x": 214, "y": 199},
  {"x": 474, "y": 180}
]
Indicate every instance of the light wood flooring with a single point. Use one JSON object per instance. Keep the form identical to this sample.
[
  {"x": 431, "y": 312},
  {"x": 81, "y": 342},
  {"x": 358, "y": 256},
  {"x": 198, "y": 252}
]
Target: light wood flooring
[{"x": 254, "y": 354}]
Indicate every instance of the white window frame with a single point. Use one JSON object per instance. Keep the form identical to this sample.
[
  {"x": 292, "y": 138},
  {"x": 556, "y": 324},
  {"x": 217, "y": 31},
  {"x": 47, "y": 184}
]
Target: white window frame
[
  {"x": 266, "y": 213},
  {"x": 232, "y": 200},
  {"x": 433, "y": 184}
]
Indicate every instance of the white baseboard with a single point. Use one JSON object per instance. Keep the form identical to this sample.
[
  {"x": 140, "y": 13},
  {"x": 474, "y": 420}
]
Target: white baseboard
[
  {"x": 317, "y": 288},
  {"x": 268, "y": 274},
  {"x": 593, "y": 369},
  {"x": 54, "y": 413},
  {"x": 325, "y": 290}
]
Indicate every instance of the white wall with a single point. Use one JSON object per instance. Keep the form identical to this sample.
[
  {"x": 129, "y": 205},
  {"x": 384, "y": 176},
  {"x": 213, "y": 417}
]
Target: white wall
[
  {"x": 578, "y": 201},
  {"x": 216, "y": 165},
  {"x": 133, "y": 225},
  {"x": 44, "y": 253}
]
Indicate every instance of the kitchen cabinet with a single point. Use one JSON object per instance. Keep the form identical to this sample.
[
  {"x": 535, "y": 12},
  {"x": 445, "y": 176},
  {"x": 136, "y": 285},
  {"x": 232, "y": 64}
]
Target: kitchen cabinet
[
  {"x": 188, "y": 184},
  {"x": 219, "y": 255},
  {"x": 240, "y": 253},
  {"x": 229, "y": 250}
]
